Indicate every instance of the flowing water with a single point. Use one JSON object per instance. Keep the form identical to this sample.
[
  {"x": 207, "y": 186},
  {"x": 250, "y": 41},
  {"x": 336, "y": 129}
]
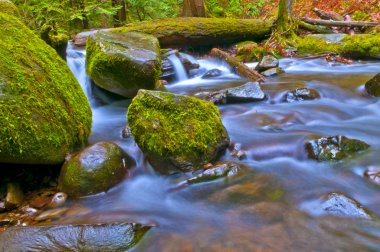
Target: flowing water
[{"x": 275, "y": 207}]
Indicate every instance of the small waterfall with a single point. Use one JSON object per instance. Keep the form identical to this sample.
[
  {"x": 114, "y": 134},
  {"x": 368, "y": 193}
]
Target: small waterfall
[
  {"x": 76, "y": 60},
  {"x": 180, "y": 71}
]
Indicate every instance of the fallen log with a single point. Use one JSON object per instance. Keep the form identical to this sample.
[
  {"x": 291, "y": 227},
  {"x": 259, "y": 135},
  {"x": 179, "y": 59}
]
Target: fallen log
[
  {"x": 194, "y": 32},
  {"x": 339, "y": 23},
  {"x": 328, "y": 15},
  {"x": 313, "y": 28},
  {"x": 238, "y": 66}
]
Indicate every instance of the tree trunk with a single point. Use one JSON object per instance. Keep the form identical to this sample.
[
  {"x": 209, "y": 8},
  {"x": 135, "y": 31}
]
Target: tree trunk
[
  {"x": 284, "y": 17},
  {"x": 121, "y": 14},
  {"x": 193, "y": 8}
]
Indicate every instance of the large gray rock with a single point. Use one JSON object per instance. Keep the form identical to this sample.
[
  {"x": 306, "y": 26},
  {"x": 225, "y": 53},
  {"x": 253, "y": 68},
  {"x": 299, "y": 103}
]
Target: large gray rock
[
  {"x": 123, "y": 63},
  {"x": 301, "y": 94},
  {"x": 95, "y": 169},
  {"x": 373, "y": 86},
  {"x": 176, "y": 132},
  {"x": 249, "y": 92},
  {"x": 100, "y": 237},
  {"x": 267, "y": 62}
]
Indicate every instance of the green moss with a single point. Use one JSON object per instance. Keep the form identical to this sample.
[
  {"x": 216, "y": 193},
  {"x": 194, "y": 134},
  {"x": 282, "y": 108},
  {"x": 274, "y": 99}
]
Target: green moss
[
  {"x": 201, "y": 31},
  {"x": 8, "y": 7},
  {"x": 249, "y": 51},
  {"x": 357, "y": 46},
  {"x": 179, "y": 128},
  {"x": 44, "y": 112},
  {"x": 123, "y": 63}
]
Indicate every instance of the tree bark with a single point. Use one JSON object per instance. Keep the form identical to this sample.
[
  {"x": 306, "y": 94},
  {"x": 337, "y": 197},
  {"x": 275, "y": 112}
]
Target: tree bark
[
  {"x": 313, "y": 28},
  {"x": 193, "y": 8},
  {"x": 328, "y": 15},
  {"x": 339, "y": 23},
  {"x": 239, "y": 67},
  {"x": 284, "y": 17}
]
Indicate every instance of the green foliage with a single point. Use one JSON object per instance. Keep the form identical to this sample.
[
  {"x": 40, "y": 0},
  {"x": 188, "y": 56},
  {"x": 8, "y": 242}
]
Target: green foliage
[
  {"x": 139, "y": 10},
  {"x": 253, "y": 9}
]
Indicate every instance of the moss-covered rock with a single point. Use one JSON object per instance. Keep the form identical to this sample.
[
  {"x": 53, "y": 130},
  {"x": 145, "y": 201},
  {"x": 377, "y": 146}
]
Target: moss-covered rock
[
  {"x": 94, "y": 169},
  {"x": 123, "y": 63},
  {"x": 8, "y": 7},
  {"x": 249, "y": 51},
  {"x": 44, "y": 112},
  {"x": 334, "y": 148},
  {"x": 357, "y": 46},
  {"x": 373, "y": 86},
  {"x": 56, "y": 40},
  {"x": 177, "y": 133}
]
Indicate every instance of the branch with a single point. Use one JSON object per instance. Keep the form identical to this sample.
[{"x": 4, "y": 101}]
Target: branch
[
  {"x": 240, "y": 68},
  {"x": 313, "y": 28},
  {"x": 339, "y": 23}
]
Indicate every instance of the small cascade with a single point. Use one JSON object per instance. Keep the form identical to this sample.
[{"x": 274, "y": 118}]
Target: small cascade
[
  {"x": 180, "y": 71},
  {"x": 76, "y": 60}
]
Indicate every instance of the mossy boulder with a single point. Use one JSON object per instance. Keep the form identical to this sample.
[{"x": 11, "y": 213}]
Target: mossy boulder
[
  {"x": 177, "y": 133},
  {"x": 356, "y": 46},
  {"x": 8, "y": 7},
  {"x": 249, "y": 51},
  {"x": 56, "y": 40},
  {"x": 44, "y": 112},
  {"x": 373, "y": 86},
  {"x": 334, "y": 148},
  {"x": 94, "y": 169},
  {"x": 123, "y": 63}
]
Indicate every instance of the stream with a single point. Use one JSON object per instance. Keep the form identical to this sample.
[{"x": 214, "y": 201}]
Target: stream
[{"x": 276, "y": 206}]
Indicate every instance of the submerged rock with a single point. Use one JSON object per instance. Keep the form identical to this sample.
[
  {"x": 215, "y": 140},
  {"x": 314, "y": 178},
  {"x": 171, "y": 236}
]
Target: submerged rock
[
  {"x": 373, "y": 86},
  {"x": 219, "y": 170},
  {"x": 373, "y": 174},
  {"x": 248, "y": 92},
  {"x": 95, "y": 169},
  {"x": 44, "y": 112},
  {"x": 88, "y": 237},
  {"x": 334, "y": 148},
  {"x": 341, "y": 205},
  {"x": 301, "y": 94},
  {"x": 213, "y": 73},
  {"x": 273, "y": 72},
  {"x": 123, "y": 63},
  {"x": 52, "y": 214},
  {"x": 267, "y": 62},
  {"x": 176, "y": 132}
]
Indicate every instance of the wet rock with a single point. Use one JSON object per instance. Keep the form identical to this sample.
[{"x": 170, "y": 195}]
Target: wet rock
[
  {"x": 29, "y": 211},
  {"x": 58, "y": 199},
  {"x": 248, "y": 92},
  {"x": 213, "y": 73},
  {"x": 52, "y": 214},
  {"x": 126, "y": 133},
  {"x": 273, "y": 72},
  {"x": 123, "y": 63},
  {"x": 373, "y": 86},
  {"x": 176, "y": 132},
  {"x": 41, "y": 199},
  {"x": 160, "y": 86},
  {"x": 301, "y": 94},
  {"x": 373, "y": 174},
  {"x": 219, "y": 170},
  {"x": 80, "y": 39},
  {"x": 96, "y": 237},
  {"x": 334, "y": 148},
  {"x": 167, "y": 68},
  {"x": 15, "y": 196},
  {"x": 267, "y": 62},
  {"x": 237, "y": 152},
  {"x": 188, "y": 65},
  {"x": 94, "y": 169},
  {"x": 341, "y": 205}
]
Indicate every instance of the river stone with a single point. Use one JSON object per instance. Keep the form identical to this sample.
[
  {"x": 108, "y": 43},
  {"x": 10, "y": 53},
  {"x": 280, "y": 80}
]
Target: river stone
[
  {"x": 177, "y": 133},
  {"x": 44, "y": 112},
  {"x": 219, "y": 170},
  {"x": 334, "y": 148},
  {"x": 123, "y": 63},
  {"x": 273, "y": 72},
  {"x": 249, "y": 92},
  {"x": 80, "y": 237},
  {"x": 373, "y": 174},
  {"x": 341, "y": 205},
  {"x": 373, "y": 86},
  {"x": 266, "y": 63},
  {"x": 301, "y": 94},
  {"x": 213, "y": 73},
  {"x": 94, "y": 169}
]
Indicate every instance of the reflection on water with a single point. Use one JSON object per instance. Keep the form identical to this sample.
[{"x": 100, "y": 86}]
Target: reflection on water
[{"x": 269, "y": 208}]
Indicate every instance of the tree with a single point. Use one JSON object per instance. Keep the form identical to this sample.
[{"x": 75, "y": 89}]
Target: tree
[
  {"x": 284, "y": 18},
  {"x": 193, "y": 8}
]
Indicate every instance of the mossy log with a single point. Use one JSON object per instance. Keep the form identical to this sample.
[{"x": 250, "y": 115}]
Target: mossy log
[
  {"x": 193, "y": 31},
  {"x": 339, "y": 23},
  {"x": 313, "y": 28},
  {"x": 239, "y": 67}
]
